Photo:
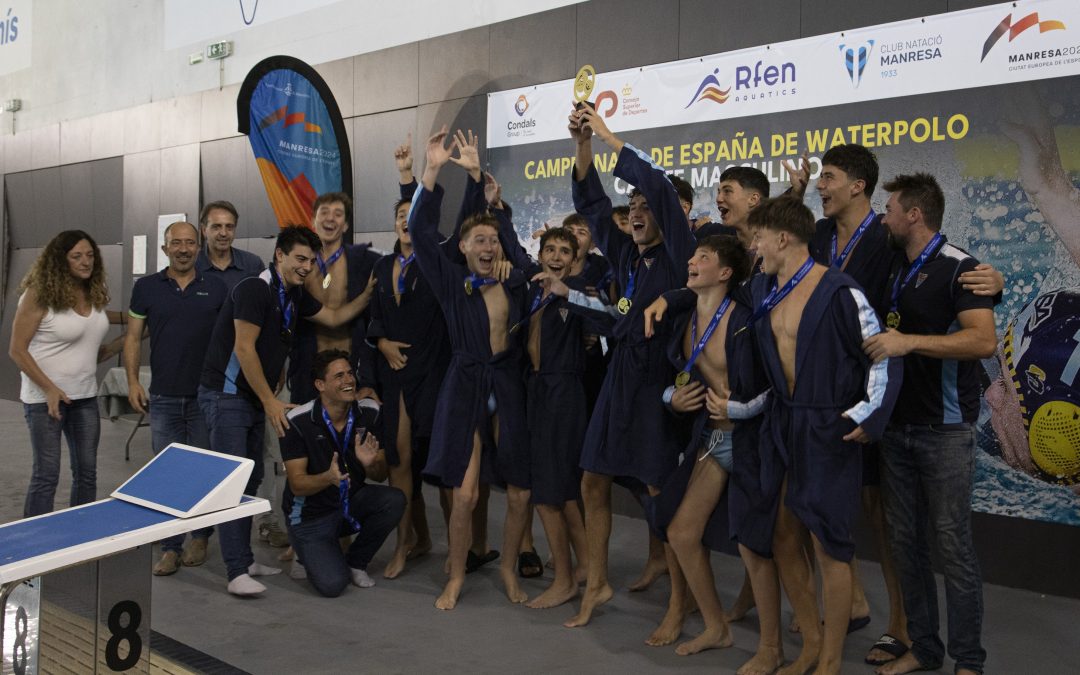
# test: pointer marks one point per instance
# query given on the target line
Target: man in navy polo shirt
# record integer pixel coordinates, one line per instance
(179, 305)
(218, 258)
(329, 452)
(244, 362)
(928, 451)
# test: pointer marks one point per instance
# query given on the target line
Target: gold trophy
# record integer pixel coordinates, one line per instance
(584, 83)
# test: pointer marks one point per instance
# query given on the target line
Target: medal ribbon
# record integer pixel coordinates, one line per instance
(776, 296)
(838, 262)
(325, 266)
(339, 443)
(284, 303)
(479, 282)
(898, 285)
(631, 273)
(706, 335)
(404, 262)
(538, 303)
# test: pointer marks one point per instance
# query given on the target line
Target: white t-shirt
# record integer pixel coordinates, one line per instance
(65, 347)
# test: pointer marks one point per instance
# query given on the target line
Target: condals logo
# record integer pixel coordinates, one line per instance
(710, 89)
(523, 127)
(855, 58)
(1014, 29)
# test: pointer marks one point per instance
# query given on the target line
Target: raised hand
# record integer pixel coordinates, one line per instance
(799, 176)
(578, 131)
(403, 157)
(437, 154)
(468, 153)
(492, 191)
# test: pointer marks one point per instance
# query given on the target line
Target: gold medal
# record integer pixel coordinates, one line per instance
(326, 281)
(892, 320)
(624, 305)
(468, 286)
(584, 82)
(682, 379)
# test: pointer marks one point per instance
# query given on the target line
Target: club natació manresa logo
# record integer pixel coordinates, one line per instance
(856, 56)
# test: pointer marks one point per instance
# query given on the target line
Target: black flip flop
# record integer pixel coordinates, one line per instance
(858, 623)
(529, 560)
(890, 645)
(474, 562)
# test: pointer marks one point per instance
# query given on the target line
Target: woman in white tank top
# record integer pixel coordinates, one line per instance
(56, 340)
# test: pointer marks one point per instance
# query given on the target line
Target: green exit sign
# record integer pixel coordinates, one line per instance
(219, 50)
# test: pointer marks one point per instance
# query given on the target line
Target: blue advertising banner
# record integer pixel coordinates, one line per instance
(297, 135)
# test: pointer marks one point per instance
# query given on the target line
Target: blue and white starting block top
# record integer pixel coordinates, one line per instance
(181, 489)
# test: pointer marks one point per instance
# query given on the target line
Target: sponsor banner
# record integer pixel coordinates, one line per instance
(297, 135)
(1006, 153)
(15, 44)
(1011, 42)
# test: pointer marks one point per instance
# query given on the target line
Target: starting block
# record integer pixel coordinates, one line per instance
(91, 564)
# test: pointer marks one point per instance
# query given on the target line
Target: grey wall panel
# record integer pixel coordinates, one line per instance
(536, 48)
(222, 171)
(375, 180)
(260, 246)
(467, 113)
(180, 180)
(819, 18)
(107, 135)
(387, 79)
(18, 193)
(142, 204)
(709, 27)
(180, 120)
(20, 262)
(454, 66)
(957, 5)
(76, 193)
(46, 193)
(142, 128)
(45, 146)
(16, 151)
(75, 140)
(338, 75)
(107, 194)
(617, 34)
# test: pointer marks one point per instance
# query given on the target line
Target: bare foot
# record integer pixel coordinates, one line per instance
(793, 627)
(743, 604)
(554, 596)
(765, 662)
(807, 660)
(513, 590)
(654, 569)
(709, 639)
(396, 565)
(669, 630)
(446, 566)
(590, 602)
(449, 597)
(905, 664)
(418, 549)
